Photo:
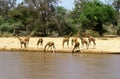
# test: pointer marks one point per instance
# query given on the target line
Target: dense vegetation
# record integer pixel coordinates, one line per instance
(46, 18)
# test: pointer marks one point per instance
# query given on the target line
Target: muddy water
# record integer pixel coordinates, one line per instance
(33, 65)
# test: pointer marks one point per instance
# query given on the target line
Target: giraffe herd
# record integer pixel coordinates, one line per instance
(85, 42)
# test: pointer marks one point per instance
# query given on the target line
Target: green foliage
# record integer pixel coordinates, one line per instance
(5, 27)
(94, 14)
(97, 10)
(61, 12)
(21, 13)
(1, 20)
(9, 26)
(118, 28)
(93, 33)
(6, 5)
(116, 4)
(46, 18)
(10, 21)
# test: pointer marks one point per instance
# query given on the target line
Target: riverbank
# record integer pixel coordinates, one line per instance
(103, 45)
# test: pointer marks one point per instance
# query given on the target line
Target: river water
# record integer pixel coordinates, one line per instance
(35, 65)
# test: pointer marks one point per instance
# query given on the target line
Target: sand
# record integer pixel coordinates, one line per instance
(106, 45)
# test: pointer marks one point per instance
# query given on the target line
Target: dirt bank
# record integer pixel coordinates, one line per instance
(107, 45)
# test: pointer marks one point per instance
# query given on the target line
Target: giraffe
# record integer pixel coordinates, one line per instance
(25, 41)
(66, 40)
(91, 39)
(27, 38)
(51, 45)
(84, 41)
(76, 46)
(40, 41)
(22, 42)
(75, 38)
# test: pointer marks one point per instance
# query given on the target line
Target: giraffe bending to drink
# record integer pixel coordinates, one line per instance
(40, 41)
(76, 46)
(50, 45)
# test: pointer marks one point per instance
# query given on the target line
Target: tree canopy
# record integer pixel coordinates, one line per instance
(45, 17)
(93, 14)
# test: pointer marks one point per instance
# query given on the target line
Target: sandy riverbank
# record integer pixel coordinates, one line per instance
(107, 45)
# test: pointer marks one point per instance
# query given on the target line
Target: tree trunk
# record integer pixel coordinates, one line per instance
(59, 30)
(100, 29)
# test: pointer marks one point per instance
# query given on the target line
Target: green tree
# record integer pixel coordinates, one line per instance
(64, 22)
(24, 15)
(93, 14)
(116, 5)
(2, 20)
(43, 10)
(58, 20)
(6, 6)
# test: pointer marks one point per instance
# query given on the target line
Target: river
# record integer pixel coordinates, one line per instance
(36, 65)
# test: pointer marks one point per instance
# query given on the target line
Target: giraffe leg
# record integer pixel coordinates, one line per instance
(25, 45)
(21, 45)
(63, 45)
(68, 44)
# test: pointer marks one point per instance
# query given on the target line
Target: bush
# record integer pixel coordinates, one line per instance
(93, 33)
(1, 20)
(5, 27)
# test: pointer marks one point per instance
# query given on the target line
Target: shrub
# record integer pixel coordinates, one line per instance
(93, 33)
(5, 27)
